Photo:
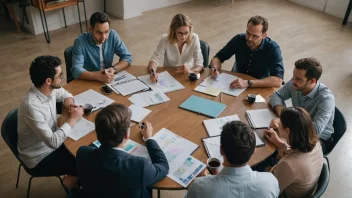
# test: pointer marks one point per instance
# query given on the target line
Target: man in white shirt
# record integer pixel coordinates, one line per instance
(39, 139)
(236, 179)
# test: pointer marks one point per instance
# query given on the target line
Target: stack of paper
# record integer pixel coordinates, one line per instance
(221, 83)
(148, 98)
(260, 118)
(138, 113)
(81, 128)
(214, 126)
(166, 83)
(119, 77)
(130, 87)
(94, 98)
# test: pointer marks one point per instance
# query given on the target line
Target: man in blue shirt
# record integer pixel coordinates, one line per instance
(236, 179)
(306, 92)
(256, 55)
(93, 51)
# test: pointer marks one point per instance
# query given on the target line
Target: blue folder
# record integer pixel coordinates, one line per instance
(203, 106)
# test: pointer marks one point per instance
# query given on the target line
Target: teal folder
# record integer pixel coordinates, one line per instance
(203, 106)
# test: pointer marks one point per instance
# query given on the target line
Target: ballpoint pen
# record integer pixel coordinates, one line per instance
(154, 74)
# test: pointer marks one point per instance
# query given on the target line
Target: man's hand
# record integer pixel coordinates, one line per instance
(153, 77)
(75, 116)
(107, 75)
(182, 69)
(71, 107)
(274, 123)
(239, 83)
(205, 172)
(147, 132)
(214, 72)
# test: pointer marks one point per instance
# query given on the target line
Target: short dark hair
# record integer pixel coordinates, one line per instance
(112, 124)
(43, 67)
(257, 20)
(237, 142)
(302, 133)
(312, 66)
(98, 17)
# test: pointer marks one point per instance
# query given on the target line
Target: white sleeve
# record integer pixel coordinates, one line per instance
(197, 52)
(159, 52)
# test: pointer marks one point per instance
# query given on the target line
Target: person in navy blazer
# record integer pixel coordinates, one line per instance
(108, 171)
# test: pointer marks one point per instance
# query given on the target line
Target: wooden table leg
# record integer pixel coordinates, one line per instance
(13, 15)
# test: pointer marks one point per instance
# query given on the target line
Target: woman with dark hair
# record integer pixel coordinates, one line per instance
(299, 168)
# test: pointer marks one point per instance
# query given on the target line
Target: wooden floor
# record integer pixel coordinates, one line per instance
(300, 32)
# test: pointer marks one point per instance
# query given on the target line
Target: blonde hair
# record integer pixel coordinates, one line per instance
(179, 20)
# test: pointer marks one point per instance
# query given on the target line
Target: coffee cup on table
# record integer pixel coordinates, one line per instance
(87, 108)
(213, 164)
(251, 98)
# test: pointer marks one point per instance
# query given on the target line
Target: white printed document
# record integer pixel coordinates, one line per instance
(138, 113)
(130, 87)
(166, 83)
(185, 169)
(148, 98)
(81, 128)
(214, 126)
(121, 76)
(223, 83)
(259, 118)
(94, 98)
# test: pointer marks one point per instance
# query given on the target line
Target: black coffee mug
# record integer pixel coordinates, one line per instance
(87, 108)
(251, 98)
(193, 76)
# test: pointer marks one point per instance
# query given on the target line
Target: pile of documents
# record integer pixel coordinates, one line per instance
(260, 118)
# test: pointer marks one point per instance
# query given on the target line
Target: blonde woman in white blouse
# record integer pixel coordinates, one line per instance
(180, 48)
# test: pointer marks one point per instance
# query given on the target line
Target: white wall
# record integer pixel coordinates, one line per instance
(126, 9)
(333, 7)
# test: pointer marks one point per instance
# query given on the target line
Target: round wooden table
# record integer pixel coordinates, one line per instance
(168, 115)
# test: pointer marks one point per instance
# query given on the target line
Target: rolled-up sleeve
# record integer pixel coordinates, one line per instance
(40, 127)
(77, 59)
(159, 52)
(62, 94)
(279, 96)
(275, 63)
(197, 53)
(121, 49)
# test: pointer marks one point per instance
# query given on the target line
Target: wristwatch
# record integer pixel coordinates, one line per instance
(250, 83)
(115, 69)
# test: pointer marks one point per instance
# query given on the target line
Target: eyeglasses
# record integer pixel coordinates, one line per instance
(61, 76)
(182, 33)
(101, 33)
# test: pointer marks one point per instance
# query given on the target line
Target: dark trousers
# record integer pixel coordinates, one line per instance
(59, 162)
(326, 145)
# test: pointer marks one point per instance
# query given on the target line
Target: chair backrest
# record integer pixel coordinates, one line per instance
(9, 131)
(205, 52)
(322, 182)
(68, 61)
(339, 125)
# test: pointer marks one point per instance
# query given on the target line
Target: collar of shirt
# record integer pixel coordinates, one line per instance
(40, 95)
(236, 170)
(312, 93)
(90, 39)
(119, 149)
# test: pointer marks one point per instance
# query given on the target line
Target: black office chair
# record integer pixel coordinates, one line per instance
(205, 52)
(340, 128)
(68, 61)
(10, 135)
(323, 182)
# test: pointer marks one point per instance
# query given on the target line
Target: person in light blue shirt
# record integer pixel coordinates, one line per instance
(236, 179)
(306, 92)
(93, 51)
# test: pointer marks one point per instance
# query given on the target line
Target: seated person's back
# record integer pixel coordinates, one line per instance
(236, 179)
(108, 171)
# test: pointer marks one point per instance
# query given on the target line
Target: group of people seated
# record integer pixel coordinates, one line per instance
(301, 133)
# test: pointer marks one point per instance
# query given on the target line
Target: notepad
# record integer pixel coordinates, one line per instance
(166, 83)
(138, 113)
(259, 118)
(130, 87)
(214, 126)
(203, 106)
(208, 90)
(120, 77)
(148, 98)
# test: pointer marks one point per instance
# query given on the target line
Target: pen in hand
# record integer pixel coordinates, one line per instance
(154, 74)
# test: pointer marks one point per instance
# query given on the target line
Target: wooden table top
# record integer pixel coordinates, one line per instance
(183, 123)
